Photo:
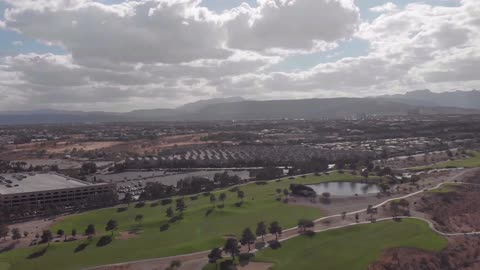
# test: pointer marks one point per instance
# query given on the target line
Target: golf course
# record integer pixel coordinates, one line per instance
(352, 248)
(471, 162)
(200, 229)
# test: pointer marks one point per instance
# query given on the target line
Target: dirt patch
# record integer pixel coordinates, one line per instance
(462, 253)
(455, 211)
(127, 235)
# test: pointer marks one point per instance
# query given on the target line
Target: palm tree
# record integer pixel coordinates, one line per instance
(275, 229)
(231, 247)
(222, 198)
(261, 230)
(247, 238)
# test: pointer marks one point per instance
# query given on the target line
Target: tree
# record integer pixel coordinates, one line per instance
(286, 192)
(139, 218)
(60, 232)
(90, 230)
(180, 204)
(213, 199)
(4, 230)
(214, 256)
(222, 198)
(275, 229)
(247, 238)
(357, 217)
(261, 230)
(112, 225)
(240, 195)
(47, 237)
(128, 198)
(344, 215)
(25, 234)
(231, 247)
(170, 212)
(305, 223)
(74, 232)
(16, 234)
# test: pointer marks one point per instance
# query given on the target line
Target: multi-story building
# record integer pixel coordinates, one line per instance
(40, 189)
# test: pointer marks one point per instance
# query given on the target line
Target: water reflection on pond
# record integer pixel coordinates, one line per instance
(345, 188)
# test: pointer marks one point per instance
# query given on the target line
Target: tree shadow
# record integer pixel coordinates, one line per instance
(81, 247)
(37, 254)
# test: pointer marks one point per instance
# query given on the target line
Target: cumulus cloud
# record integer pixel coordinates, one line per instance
(161, 53)
(292, 25)
(387, 7)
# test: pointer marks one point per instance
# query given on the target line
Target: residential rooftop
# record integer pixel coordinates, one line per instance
(34, 182)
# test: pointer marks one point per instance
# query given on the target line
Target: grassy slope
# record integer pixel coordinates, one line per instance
(352, 248)
(195, 233)
(471, 162)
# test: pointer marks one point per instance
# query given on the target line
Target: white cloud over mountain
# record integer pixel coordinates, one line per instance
(162, 53)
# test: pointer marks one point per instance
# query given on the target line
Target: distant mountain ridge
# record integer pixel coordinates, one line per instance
(459, 99)
(237, 108)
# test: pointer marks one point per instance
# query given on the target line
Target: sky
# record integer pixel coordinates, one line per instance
(122, 55)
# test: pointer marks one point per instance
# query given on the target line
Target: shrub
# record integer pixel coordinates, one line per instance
(302, 190)
(245, 256)
(140, 205)
(275, 245)
(227, 265)
(164, 227)
(194, 198)
(238, 204)
(166, 201)
(155, 204)
(234, 189)
(206, 194)
(220, 206)
(122, 209)
(304, 176)
(309, 233)
(104, 240)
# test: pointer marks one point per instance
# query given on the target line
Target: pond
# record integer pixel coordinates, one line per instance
(345, 188)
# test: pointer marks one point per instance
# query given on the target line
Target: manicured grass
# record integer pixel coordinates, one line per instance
(352, 248)
(471, 162)
(196, 232)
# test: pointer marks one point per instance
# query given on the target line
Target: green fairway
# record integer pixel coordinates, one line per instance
(446, 188)
(352, 248)
(196, 232)
(471, 162)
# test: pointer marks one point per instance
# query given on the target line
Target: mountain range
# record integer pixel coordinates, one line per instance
(237, 108)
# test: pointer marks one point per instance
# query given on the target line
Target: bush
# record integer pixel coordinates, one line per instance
(208, 212)
(245, 257)
(302, 190)
(275, 244)
(140, 205)
(166, 201)
(234, 189)
(220, 206)
(309, 233)
(104, 240)
(164, 227)
(122, 209)
(227, 265)
(238, 204)
(206, 194)
(304, 176)
(194, 198)
(155, 204)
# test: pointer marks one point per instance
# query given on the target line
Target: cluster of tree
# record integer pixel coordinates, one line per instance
(88, 168)
(267, 173)
(302, 190)
(224, 179)
(155, 190)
